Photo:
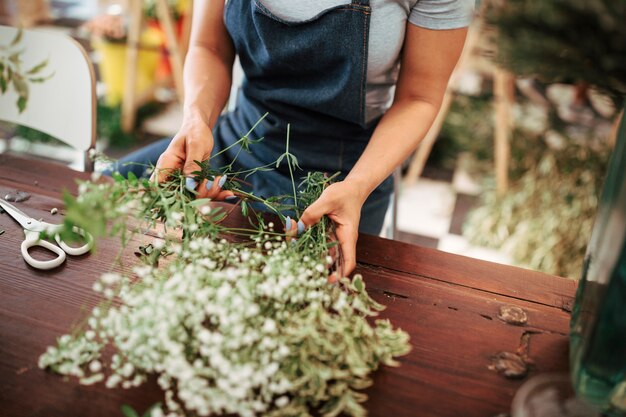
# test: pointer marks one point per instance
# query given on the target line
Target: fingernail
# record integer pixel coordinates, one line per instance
(231, 198)
(287, 223)
(209, 184)
(190, 184)
(222, 181)
(301, 227)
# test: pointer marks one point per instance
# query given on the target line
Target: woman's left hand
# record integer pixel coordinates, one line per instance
(341, 202)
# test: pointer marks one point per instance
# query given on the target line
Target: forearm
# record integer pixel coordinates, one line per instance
(429, 56)
(208, 65)
(207, 79)
(397, 135)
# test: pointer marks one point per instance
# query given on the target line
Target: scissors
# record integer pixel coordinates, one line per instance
(32, 230)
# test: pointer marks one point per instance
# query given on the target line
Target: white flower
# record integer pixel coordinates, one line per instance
(269, 326)
(157, 412)
(110, 278)
(95, 366)
(281, 401)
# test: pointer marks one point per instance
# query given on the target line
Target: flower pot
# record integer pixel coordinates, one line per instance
(113, 64)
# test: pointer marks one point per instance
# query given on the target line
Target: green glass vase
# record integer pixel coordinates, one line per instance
(598, 325)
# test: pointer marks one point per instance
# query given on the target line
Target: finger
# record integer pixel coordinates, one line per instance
(166, 164)
(313, 214)
(226, 195)
(192, 154)
(332, 250)
(291, 228)
(347, 235)
(212, 188)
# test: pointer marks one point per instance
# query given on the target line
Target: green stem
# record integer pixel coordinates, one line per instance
(293, 183)
(262, 201)
(243, 138)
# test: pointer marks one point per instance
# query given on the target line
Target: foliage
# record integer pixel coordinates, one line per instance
(109, 123)
(176, 7)
(235, 320)
(466, 129)
(545, 219)
(12, 75)
(564, 40)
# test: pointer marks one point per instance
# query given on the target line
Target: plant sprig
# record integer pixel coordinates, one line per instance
(240, 320)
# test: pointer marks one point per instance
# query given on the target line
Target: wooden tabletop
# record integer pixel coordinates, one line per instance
(449, 304)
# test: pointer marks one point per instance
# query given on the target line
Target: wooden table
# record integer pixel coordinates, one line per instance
(449, 304)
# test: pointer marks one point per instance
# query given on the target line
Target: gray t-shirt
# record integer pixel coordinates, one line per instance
(386, 36)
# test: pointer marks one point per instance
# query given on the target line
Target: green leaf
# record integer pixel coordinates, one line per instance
(199, 202)
(20, 86)
(132, 178)
(37, 68)
(244, 208)
(15, 57)
(3, 84)
(21, 103)
(279, 160)
(118, 177)
(128, 411)
(17, 38)
(358, 283)
(40, 79)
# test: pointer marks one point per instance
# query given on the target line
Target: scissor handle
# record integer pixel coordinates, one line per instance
(32, 239)
(79, 250)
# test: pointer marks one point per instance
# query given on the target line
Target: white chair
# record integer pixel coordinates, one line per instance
(63, 106)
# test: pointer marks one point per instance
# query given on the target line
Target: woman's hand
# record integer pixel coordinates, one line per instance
(193, 142)
(342, 203)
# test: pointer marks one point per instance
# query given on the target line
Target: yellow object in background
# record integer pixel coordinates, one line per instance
(113, 64)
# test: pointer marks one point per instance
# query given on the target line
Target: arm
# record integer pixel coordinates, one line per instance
(428, 58)
(207, 81)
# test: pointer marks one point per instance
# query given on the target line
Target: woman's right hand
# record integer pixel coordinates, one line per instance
(193, 142)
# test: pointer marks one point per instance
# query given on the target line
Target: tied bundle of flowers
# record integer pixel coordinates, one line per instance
(230, 319)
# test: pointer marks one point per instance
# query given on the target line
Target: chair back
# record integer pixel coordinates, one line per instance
(63, 105)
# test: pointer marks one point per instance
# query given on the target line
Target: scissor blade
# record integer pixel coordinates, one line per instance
(19, 216)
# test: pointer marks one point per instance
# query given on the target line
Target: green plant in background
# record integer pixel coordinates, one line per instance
(561, 40)
(12, 75)
(235, 320)
(175, 6)
(468, 128)
(545, 219)
(109, 124)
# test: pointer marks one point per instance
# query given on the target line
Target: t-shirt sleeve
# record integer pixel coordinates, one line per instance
(442, 14)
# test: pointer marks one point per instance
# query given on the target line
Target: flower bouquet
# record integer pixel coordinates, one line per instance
(234, 320)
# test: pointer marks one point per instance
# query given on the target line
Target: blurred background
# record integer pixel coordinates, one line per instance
(511, 171)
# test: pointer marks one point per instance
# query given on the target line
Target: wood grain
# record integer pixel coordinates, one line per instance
(447, 303)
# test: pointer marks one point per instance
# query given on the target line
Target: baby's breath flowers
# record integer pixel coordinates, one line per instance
(238, 321)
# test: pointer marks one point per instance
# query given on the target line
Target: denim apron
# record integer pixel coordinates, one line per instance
(312, 75)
